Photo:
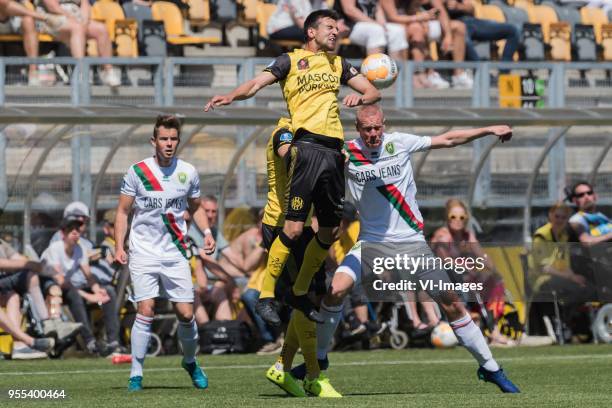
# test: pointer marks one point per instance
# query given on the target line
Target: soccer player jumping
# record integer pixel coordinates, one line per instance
(161, 188)
(381, 184)
(310, 79)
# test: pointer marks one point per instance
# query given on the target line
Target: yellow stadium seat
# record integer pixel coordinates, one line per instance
(170, 14)
(248, 11)
(606, 41)
(199, 12)
(490, 12)
(126, 38)
(107, 12)
(543, 15)
(560, 42)
(595, 17)
(264, 12)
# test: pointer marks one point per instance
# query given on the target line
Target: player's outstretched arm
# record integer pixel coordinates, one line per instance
(245, 90)
(463, 136)
(369, 94)
(121, 224)
(201, 221)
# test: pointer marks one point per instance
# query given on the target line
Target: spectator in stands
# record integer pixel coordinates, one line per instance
(74, 276)
(483, 30)
(369, 28)
(243, 255)
(25, 346)
(591, 226)
(77, 29)
(18, 278)
(216, 293)
(551, 271)
(457, 240)
(25, 26)
(426, 21)
(105, 270)
(10, 8)
(287, 22)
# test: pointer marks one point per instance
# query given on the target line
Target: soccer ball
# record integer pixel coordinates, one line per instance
(380, 69)
(442, 336)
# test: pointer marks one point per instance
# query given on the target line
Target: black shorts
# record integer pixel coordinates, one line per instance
(315, 176)
(269, 234)
(17, 282)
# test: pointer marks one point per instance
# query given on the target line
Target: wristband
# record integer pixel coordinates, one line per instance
(207, 231)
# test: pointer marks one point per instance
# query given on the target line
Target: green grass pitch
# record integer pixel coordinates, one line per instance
(569, 376)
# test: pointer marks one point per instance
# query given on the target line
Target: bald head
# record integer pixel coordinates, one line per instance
(368, 111)
(370, 123)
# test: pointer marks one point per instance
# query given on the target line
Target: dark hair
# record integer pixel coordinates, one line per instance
(571, 192)
(312, 21)
(167, 121)
(70, 224)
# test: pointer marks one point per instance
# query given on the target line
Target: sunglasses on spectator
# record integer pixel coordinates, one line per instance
(585, 193)
(453, 217)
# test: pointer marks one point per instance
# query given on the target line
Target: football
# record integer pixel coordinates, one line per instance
(442, 336)
(380, 69)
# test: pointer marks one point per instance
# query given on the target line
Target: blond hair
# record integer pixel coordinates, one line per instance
(455, 202)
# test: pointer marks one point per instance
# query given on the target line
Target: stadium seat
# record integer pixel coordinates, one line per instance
(490, 12)
(585, 47)
(533, 42)
(544, 15)
(560, 42)
(170, 14)
(139, 13)
(199, 12)
(495, 13)
(606, 41)
(248, 11)
(107, 12)
(153, 42)
(596, 17)
(515, 15)
(126, 38)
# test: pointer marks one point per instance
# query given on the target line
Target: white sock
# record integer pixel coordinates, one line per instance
(140, 337)
(188, 336)
(470, 337)
(325, 331)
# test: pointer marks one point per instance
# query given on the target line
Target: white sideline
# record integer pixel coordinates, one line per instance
(345, 364)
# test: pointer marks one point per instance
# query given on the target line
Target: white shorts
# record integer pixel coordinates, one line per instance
(434, 30)
(372, 35)
(153, 278)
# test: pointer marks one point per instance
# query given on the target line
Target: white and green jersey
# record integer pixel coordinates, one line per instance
(158, 228)
(381, 185)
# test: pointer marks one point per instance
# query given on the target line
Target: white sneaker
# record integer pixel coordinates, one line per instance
(27, 353)
(463, 81)
(110, 77)
(436, 81)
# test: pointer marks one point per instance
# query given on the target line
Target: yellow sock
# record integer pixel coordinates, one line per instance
(290, 346)
(314, 256)
(307, 333)
(277, 257)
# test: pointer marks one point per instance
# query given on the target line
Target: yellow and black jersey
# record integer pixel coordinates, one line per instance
(277, 174)
(310, 83)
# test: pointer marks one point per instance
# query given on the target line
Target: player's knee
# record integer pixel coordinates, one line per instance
(146, 309)
(327, 236)
(184, 316)
(293, 230)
